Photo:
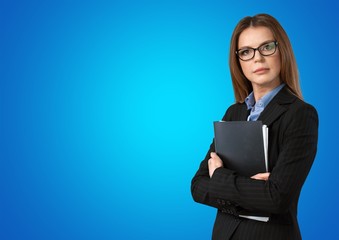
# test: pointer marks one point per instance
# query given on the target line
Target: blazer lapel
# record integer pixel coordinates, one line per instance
(277, 106)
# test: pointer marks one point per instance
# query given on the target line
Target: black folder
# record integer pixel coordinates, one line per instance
(242, 146)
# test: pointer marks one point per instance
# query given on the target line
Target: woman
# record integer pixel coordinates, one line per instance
(266, 86)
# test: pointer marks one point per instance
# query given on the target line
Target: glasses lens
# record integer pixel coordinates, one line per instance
(246, 53)
(267, 49)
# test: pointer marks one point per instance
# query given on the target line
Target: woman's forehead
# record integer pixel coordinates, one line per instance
(255, 36)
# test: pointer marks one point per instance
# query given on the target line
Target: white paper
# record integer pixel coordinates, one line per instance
(265, 138)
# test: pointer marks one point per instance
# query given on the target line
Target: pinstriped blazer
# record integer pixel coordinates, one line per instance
(293, 136)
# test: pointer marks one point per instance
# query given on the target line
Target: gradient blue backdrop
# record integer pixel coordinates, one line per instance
(106, 110)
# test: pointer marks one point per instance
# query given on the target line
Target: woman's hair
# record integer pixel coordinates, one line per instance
(289, 71)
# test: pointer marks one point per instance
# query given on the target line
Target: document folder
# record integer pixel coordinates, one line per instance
(242, 146)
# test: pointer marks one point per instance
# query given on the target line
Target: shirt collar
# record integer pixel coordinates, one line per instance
(249, 100)
(265, 100)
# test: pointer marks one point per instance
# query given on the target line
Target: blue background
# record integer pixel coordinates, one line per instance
(106, 110)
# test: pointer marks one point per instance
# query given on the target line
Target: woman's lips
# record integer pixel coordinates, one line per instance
(260, 70)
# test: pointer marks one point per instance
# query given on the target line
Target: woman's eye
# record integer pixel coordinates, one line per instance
(267, 47)
(244, 52)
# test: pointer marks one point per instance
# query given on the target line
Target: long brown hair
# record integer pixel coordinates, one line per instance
(289, 71)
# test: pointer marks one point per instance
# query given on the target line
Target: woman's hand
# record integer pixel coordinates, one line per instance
(213, 163)
(261, 176)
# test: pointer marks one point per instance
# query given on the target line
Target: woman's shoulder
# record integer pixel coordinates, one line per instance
(286, 96)
(237, 106)
(300, 111)
(300, 105)
(293, 103)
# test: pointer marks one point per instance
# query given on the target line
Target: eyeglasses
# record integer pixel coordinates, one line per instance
(265, 49)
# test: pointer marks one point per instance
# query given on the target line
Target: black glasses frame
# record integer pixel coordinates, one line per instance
(259, 50)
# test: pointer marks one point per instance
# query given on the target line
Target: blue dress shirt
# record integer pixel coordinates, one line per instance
(259, 106)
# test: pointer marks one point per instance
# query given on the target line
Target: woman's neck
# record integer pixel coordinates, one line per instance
(259, 91)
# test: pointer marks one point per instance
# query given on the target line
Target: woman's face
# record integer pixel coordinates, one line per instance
(262, 71)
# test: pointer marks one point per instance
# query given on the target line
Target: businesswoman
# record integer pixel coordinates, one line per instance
(266, 87)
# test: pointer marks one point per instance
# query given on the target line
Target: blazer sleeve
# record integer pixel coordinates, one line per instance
(299, 135)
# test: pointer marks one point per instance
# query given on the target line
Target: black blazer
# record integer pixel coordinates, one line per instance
(293, 136)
